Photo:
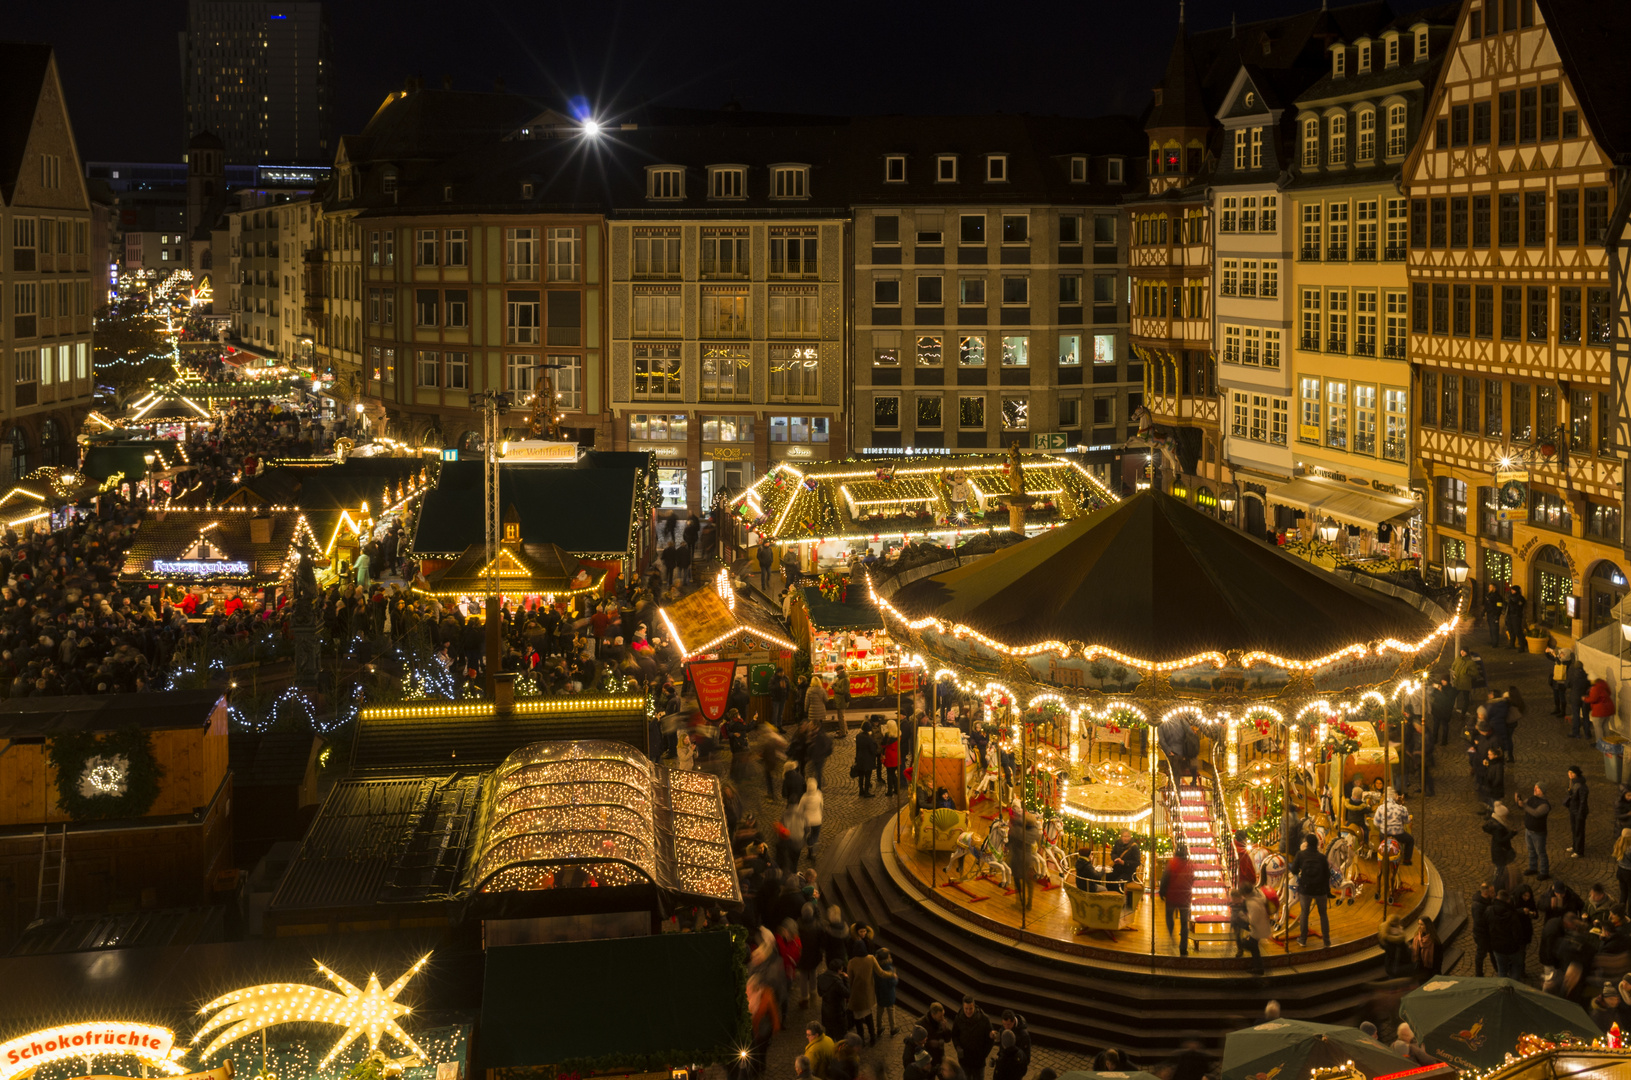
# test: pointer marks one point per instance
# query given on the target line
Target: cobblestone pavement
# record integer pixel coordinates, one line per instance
(1454, 839)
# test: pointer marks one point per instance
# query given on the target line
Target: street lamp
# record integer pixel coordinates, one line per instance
(1327, 531)
(1455, 572)
(1228, 497)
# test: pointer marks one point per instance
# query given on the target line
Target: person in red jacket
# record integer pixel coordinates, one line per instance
(1246, 873)
(1601, 702)
(1177, 890)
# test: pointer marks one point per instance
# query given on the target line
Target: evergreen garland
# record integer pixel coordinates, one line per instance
(71, 751)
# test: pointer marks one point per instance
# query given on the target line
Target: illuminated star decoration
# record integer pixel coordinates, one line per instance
(370, 1011)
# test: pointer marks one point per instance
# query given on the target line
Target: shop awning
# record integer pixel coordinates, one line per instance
(1344, 502)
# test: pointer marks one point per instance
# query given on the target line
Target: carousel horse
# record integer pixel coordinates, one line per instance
(991, 854)
(965, 858)
(1050, 853)
(1345, 884)
(985, 771)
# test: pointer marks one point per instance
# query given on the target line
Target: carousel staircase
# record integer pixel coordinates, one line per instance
(1194, 825)
(1144, 1011)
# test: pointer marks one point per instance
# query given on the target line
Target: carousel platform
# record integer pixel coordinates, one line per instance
(1088, 992)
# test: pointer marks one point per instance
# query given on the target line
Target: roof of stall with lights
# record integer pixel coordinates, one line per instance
(167, 535)
(1155, 578)
(587, 510)
(851, 500)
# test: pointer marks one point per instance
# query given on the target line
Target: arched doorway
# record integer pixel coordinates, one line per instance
(20, 464)
(1551, 583)
(1605, 588)
(50, 442)
(1255, 525)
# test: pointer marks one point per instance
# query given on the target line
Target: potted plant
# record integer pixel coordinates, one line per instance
(1537, 636)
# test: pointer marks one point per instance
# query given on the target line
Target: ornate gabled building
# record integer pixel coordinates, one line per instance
(1517, 192)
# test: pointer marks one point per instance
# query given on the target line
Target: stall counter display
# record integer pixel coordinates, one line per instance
(868, 657)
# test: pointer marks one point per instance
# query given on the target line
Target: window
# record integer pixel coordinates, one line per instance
(388, 306)
(1336, 320)
(971, 291)
(1364, 419)
(1113, 170)
(429, 368)
(945, 169)
(971, 411)
(1483, 310)
(1311, 230)
(1339, 61)
(1241, 148)
(1441, 309)
(522, 321)
(1439, 218)
(1580, 403)
(724, 313)
(1597, 216)
(1461, 310)
(1248, 213)
(1568, 315)
(894, 169)
(1507, 118)
(1016, 229)
(1070, 411)
(1016, 290)
(1308, 424)
(1016, 413)
(658, 426)
(972, 228)
(665, 182)
(50, 170)
(1070, 229)
(1599, 317)
(1257, 148)
(1336, 223)
(1365, 123)
(1534, 219)
(790, 181)
(1227, 213)
(929, 412)
(562, 253)
(1311, 319)
(794, 313)
(1311, 142)
(656, 253)
(1338, 127)
(457, 247)
(1511, 312)
(1396, 418)
(886, 411)
(1396, 145)
(656, 372)
(521, 254)
(725, 375)
(1538, 309)
(1545, 411)
(657, 312)
(1070, 288)
(1269, 286)
(1568, 217)
(971, 350)
(929, 290)
(28, 365)
(886, 292)
(725, 182)
(458, 370)
(1451, 504)
(1480, 221)
(519, 371)
(1239, 422)
(719, 427)
(886, 348)
(1507, 206)
(1364, 58)
(793, 253)
(1267, 221)
(1458, 221)
(1070, 350)
(1365, 322)
(1016, 351)
(425, 247)
(795, 373)
(996, 168)
(725, 253)
(1550, 511)
(1603, 522)
(425, 304)
(929, 228)
(928, 351)
(1271, 348)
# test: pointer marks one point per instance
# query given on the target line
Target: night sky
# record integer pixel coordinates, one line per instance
(122, 70)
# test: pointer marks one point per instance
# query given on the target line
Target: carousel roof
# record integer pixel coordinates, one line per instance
(1153, 577)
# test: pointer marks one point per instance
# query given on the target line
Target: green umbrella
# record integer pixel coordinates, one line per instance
(1474, 1023)
(1287, 1049)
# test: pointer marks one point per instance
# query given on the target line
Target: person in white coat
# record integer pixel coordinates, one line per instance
(810, 810)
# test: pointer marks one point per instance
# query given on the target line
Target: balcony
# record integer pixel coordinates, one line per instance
(1336, 344)
(1394, 253)
(1393, 350)
(1248, 224)
(1337, 253)
(1227, 288)
(1336, 438)
(1311, 342)
(1311, 253)
(1248, 288)
(1396, 449)
(1364, 442)
(1231, 355)
(1364, 253)
(1364, 346)
(1270, 290)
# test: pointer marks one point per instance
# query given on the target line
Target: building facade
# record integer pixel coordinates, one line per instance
(1346, 242)
(262, 300)
(257, 74)
(49, 277)
(728, 279)
(990, 264)
(1513, 191)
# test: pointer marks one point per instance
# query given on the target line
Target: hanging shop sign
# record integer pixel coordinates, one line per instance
(712, 678)
(1511, 494)
(864, 685)
(760, 677)
(729, 453)
(92, 1039)
(200, 567)
(539, 450)
(904, 682)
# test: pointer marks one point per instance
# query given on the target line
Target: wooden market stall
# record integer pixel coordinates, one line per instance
(216, 556)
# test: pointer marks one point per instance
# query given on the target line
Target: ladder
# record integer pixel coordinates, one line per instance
(48, 900)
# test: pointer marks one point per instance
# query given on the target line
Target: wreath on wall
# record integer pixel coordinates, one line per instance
(115, 776)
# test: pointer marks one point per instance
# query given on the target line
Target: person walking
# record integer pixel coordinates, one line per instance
(1441, 709)
(1513, 616)
(815, 702)
(779, 689)
(766, 562)
(1601, 703)
(1622, 866)
(790, 566)
(1313, 872)
(1493, 604)
(840, 701)
(866, 758)
(1577, 686)
(810, 809)
(1578, 802)
(1536, 809)
(864, 972)
(1501, 855)
(883, 987)
(1177, 891)
(1462, 670)
(971, 1032)
(1477, 916)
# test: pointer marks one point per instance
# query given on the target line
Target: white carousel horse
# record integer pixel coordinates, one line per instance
(965, 858)
(991, 854)
(1345, 883)
(1050, 853)
(985, 772)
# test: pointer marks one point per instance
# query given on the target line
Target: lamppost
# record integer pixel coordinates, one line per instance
(1227, 499)
(1455, 573)
(1327, 531)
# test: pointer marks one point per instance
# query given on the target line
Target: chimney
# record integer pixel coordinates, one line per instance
(260, 529)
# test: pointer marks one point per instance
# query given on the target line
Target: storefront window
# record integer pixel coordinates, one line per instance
(798, 429)
(1551, 588)
(1608, 588)
(658, 426)
(1497, 567)
(1489, 522)
(1550, 512)
(671, 482)
(727, 428)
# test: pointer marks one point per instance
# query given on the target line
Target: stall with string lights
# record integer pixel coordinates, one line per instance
(1083, 654)
(719, 622)
(217, 555)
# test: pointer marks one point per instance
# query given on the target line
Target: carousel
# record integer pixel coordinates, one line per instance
(1144, 681)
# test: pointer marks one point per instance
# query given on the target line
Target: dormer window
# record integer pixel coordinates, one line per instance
(512, 532)
(1391, 42)
(790, 181)
(1078, 170)
(996, 168)
(726, 182)
(526, 190)
(665, 182)
(447, 192)
(1421, 43)
(347, 183)
(388, 182)
(945, 169)
(1113, 170)
(1364, 57)
(1339, 61)
(894, 169)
